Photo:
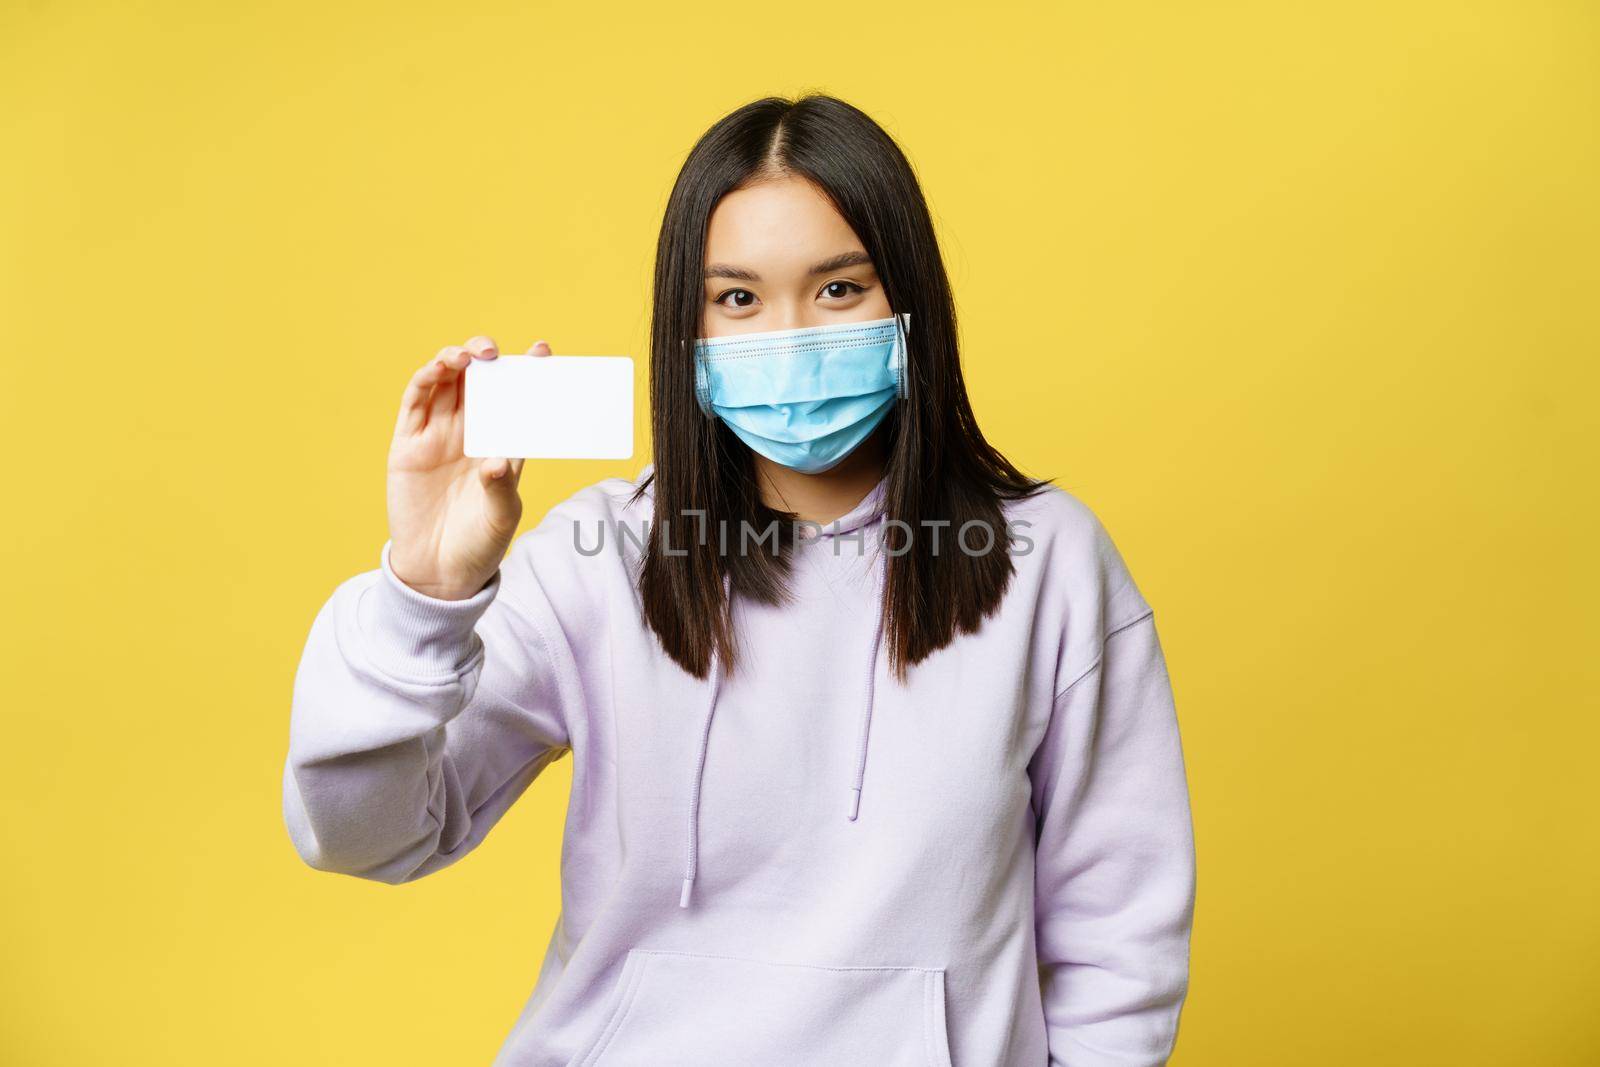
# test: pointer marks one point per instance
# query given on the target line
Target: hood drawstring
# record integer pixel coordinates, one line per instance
(692, 867)
(700, 760)
(872, 679)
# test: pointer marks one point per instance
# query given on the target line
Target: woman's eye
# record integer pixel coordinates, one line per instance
(743, 304)
(850, 288)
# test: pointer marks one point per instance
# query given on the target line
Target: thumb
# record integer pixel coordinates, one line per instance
(499, 479)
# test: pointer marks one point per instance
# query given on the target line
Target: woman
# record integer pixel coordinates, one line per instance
(875, 759)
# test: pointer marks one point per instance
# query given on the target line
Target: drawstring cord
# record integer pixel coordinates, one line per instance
(872, 678)
(700, 760)
(693, 864)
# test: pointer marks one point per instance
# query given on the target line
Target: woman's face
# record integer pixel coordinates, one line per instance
(779, 257)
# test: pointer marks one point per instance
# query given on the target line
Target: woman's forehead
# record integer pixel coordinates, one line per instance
(782, 224)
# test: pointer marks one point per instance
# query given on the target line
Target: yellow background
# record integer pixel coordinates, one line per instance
(1300, 298)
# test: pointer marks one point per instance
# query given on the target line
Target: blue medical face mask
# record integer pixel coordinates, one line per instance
(804, 398)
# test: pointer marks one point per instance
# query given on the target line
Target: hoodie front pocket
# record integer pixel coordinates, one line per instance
(685, 1008)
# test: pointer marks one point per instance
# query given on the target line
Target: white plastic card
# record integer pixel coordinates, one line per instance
(549, 407)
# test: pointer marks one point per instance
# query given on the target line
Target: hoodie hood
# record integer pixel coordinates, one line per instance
(867, 512)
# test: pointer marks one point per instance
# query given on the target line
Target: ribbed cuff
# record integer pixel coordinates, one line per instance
(417, 633)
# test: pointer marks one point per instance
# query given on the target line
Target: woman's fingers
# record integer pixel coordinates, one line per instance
(414, 402)
(447, 390)
(434, 390)
(482, 347)
(540, 348)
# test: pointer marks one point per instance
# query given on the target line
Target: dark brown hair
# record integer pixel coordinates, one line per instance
(939, 467)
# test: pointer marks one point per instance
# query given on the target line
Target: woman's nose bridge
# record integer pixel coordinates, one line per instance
(796, 313)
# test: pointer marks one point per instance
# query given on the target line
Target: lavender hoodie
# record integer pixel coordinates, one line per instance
(805, 862)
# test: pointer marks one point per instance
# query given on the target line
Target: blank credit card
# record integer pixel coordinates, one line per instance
(550, 407)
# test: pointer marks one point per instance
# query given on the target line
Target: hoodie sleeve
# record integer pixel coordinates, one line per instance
(1115, 870)
(417, 722)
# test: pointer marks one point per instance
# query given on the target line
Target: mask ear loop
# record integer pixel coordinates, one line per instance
(898, 359)
(702, 384)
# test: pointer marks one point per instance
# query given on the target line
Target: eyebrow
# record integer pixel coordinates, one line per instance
(832, 263)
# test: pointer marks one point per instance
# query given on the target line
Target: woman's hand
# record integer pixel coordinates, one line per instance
(451, 517)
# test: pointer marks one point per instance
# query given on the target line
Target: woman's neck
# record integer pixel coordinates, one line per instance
(822, 498)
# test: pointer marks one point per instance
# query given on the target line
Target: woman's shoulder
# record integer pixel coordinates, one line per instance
(614, 498)
(583, 540)
(1063, 543)
(609, 500)
(1066, 524)
(1055, 515)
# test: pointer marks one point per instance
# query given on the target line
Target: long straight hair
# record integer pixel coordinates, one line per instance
(940, 468)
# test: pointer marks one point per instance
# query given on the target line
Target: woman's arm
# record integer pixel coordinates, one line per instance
(417, 722)
(1115, 872)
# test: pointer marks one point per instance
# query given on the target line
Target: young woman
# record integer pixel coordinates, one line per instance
(875, 758)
